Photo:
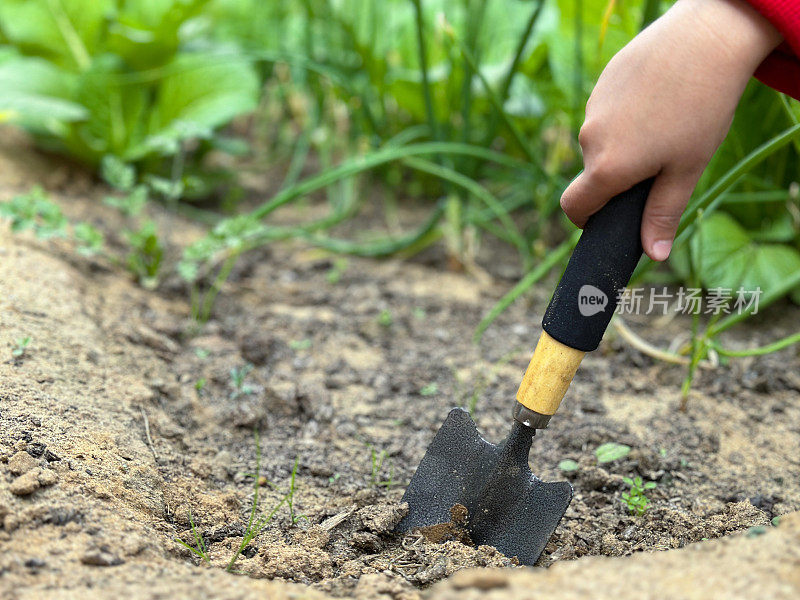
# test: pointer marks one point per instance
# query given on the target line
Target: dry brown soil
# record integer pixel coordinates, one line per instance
(107, 446)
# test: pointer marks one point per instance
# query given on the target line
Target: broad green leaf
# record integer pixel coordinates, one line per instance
(38, 94)
(200, 93)
(66, 31)
(611, 451)
(148, 33)
(116, 113)
(728, 258)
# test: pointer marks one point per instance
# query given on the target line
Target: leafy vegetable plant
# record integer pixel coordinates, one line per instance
(132, 79)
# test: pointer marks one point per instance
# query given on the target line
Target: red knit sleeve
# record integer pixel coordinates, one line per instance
(781, 69)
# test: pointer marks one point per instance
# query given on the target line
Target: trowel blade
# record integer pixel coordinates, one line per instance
(508, 507)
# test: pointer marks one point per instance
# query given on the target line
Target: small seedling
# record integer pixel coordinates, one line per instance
(131, 204)
(290, 495)
(300, 344)
(199, 549)
(35, 211)
(568, 465)
(201, 353)
(419, 313)
(378, 459)
(334, 478)
(21, 346)
(429, 390)
(239, 381)
(611, 451)
(117, 173)
(385, 318)
(200, 384)
(255, 523)
(635, 500)
(89, 241)
(756, 531)
(336, 271)
(146, 254)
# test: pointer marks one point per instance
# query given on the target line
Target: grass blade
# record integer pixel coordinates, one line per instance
(553, 257)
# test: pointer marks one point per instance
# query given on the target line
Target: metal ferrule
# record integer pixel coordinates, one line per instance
(530, 418)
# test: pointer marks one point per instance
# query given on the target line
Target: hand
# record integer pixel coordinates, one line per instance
(662, 107)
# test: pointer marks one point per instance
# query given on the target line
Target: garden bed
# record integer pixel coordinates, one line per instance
(128, 425)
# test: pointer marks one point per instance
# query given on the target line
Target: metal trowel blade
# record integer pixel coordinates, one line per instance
(508, 506)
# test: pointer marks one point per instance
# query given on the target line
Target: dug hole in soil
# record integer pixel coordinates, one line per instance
(118, 429)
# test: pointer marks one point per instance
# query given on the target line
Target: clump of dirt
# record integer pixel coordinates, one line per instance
(455, 530)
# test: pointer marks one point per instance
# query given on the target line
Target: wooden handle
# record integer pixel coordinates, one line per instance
(548, 375)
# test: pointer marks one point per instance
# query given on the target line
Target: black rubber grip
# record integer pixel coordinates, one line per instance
(599, 269)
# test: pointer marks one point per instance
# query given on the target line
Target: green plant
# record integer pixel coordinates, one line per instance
(385, 318)
(294, 518)
(199, 549)
(568, 465)
(611, 451)
(200, 385)
(634, 499)
(97, 77)
(238, 382)
(336, 271)
(255, 522)
(34, 211)
(303, 344)
(146, 254)
(430, 389)
(377, 460)
(20, 346)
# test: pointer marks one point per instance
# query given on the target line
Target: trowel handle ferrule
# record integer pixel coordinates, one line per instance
(583, 302)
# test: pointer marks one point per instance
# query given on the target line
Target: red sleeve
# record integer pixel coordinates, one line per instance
(781, 69)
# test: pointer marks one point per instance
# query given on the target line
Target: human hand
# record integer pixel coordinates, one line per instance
(662, 107)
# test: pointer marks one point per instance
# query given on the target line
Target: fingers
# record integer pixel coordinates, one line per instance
(662, 213)
(589, 192)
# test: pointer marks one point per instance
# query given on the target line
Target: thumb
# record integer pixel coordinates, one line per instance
(589, 192)
(662, 213)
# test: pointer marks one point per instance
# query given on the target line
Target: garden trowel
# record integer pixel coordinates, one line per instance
(507, 506)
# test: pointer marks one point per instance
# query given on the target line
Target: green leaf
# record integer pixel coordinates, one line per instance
(90, 240)
(147, 33)
(611, 451)
(728, 258)
(201, 92)
(116, 113)
(117, 173)
(568, 465)
(429, 390)
(65, 31)
(39, 94)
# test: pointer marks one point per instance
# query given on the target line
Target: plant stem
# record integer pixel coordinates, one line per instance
(423, 65)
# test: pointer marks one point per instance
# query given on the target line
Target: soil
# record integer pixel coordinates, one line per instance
(120, 425)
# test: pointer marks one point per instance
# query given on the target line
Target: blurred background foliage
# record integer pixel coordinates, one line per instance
(471, 106)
